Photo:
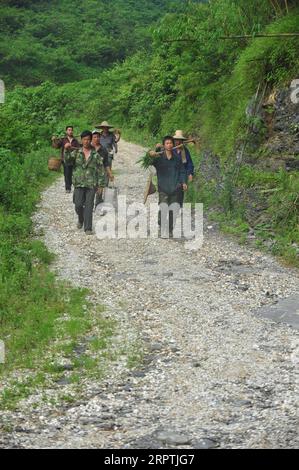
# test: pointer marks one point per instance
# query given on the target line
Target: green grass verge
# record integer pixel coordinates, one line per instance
(42, 319)
(277, 227)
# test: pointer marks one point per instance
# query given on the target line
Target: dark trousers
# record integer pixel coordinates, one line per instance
(171, 216)
(99, 197)
(110, 162)
(68, 176)
(181, 197)
(84, 201)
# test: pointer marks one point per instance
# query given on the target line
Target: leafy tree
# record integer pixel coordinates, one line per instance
(69, 40)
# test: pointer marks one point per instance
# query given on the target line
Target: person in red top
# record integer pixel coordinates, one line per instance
(68, 167)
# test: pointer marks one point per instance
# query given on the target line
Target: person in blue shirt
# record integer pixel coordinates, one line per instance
(186, 158)
(172, 179)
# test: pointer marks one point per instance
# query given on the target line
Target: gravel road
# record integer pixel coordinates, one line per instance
(215, 372)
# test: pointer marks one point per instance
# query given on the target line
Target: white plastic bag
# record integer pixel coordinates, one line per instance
(110, 201)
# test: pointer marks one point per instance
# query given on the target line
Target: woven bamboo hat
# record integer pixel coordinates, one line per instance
(104, 124)
(179, 135)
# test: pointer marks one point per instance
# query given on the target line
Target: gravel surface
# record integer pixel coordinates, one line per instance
(215, 373)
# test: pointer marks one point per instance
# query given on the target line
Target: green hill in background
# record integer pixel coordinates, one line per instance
(67, 40)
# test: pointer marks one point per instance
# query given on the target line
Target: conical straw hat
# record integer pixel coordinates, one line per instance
(179, 135)
(104, 124)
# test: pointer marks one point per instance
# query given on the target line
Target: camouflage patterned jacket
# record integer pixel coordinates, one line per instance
(87, 173)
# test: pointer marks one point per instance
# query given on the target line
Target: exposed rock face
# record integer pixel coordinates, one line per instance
(273, 145)
(281, 115)
(210, 168)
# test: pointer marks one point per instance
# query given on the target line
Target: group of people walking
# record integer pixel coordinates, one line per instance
(88, 166)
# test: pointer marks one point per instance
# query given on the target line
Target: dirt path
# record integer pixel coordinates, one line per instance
(214, 374)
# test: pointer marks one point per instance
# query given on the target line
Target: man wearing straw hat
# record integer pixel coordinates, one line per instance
(108, 140)
(96, 143)
(183, 152)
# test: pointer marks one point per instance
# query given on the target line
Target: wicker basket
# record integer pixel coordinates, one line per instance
(117, 133)
(54, 163)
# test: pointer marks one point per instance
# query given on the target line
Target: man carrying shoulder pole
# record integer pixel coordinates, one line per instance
(108, 140)
(60, 144)
(88, 179)
(172, 179)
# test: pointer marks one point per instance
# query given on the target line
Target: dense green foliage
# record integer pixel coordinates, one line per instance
(67, 40)
(205, 84)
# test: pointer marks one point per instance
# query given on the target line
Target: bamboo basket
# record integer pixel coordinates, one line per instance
(54, 164)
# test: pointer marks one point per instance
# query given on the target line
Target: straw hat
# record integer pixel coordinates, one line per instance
(179, 135)
(104, 124)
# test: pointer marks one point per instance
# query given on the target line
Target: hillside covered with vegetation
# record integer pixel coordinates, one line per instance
(68, 40)
(150, 67)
